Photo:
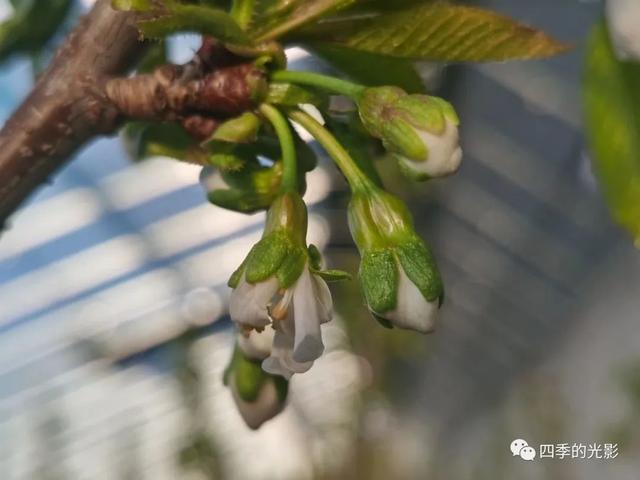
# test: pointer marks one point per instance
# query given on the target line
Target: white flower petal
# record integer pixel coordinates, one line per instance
(413, 311)
(211, 179)
(282, 343)
(281, 361)
(274, 366)
(323, 297)
(248, 302)
(264, 408)
(623, 18)
(445, 154)
(256, 345)
(308, 313)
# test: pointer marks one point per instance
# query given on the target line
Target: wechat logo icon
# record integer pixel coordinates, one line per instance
(520, 448)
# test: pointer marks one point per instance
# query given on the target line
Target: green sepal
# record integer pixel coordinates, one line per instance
(420, 266)
(333, 275)
(447, 110)
(292, 266)
(247, 375)
(249, 378)
(255, 177)
(288, 217)
(378, 220)
(240, 201)
(236, 276)
(379, 278)
(405, 167)
(399, 136)
(266, 256)
(315, 258)
(315, 264)
(252, 188)
(422, 112)
(229, 161)
(241, 129)
(282, 387)
(372, 105)
(289, 95)
(383, 321)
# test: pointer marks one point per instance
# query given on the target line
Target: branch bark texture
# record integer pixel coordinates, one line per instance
(67, 107)
(85, 93)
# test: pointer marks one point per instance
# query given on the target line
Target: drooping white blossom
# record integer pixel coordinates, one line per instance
(292, 317)
(297, 316)
(248, 305)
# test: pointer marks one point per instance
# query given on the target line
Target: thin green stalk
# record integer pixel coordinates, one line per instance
(357, 179)
(242, 12)
(287, 146)
(332, 84)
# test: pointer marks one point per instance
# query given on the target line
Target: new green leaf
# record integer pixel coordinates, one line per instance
(194, 18)
(612, 106)
(439, 32)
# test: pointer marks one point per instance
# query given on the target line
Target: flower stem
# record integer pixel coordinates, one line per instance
(332, 84)
(283, 131)
(357, 179)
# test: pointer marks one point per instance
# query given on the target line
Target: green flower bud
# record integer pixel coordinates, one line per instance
(242, 129)
(419, 130)
(251, 189)
(399, 276)
(258, 395)
(373, 105)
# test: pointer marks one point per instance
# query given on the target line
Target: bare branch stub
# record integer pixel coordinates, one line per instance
(169, 94)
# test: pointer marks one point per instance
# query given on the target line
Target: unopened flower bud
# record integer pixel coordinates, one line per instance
(258, 395)
(399, 277)
(241, 129)
(251, 189)
(419, 130)
(623, 18)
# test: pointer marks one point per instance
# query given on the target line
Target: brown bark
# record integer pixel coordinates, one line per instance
(169, 94)
(81, 95)
(67, 106)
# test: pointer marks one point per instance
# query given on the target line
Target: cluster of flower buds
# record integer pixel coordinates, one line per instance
(280, 297)
(419, 130)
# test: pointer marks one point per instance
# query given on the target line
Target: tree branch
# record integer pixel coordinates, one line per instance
(67, 106)
(81, 96)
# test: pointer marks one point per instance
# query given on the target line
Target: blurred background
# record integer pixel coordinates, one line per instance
(113, 297)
